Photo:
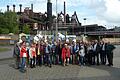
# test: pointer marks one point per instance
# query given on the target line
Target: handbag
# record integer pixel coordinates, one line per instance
(38, 51)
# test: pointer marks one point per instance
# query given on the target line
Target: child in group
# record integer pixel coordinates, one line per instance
(32, 54)
(23, 56)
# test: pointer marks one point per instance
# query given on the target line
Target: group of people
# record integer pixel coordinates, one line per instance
(62, 53)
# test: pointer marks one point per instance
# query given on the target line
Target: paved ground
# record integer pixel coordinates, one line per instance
(7, 54)
(71, 72)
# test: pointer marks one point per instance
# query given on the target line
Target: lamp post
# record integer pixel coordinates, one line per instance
(114, 35)
(56, 22)
(85, 26)
(85, 36)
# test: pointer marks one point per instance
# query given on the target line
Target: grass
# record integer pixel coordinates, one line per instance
(4, 49)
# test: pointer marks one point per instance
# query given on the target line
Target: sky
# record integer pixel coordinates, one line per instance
(101, 12)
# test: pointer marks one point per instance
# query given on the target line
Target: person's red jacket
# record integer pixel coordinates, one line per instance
(33, 53)
(65, 53)
(22, 51)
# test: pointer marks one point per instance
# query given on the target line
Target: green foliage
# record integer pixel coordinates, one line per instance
(26, 29)
(8, 23)
(4, 31)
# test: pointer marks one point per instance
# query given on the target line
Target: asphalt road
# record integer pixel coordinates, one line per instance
(6, 54)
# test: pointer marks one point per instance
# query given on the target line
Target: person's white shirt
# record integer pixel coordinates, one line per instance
(90, 47)
(95, 47)
(103, 47)
(82, 51)
(30, 53)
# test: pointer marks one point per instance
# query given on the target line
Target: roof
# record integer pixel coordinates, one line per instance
(103, 33)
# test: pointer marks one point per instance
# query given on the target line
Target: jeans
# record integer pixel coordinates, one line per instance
(33, 62)
(55, 59)
(48, 59)
(23, 63)
(81, 60)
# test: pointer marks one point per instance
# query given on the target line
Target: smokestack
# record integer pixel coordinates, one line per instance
(20, 8)
(7, 8)
(49, 14)
(64, 12)
(32, 7)
(13, 8)
(49, 0)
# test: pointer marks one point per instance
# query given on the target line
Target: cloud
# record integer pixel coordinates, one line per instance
(112, 14)
(105, 12)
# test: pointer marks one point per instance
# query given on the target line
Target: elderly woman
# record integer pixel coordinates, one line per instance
(16, 55)
(65, 54)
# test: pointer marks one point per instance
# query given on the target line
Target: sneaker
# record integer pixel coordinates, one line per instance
(63, 64)
(50, 66)
(67, 64)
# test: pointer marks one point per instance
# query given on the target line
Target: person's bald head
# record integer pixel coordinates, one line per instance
(96, 41)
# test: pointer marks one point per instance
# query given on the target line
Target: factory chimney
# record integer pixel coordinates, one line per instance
(7, 8)
(32, 7)
(13, 8)
(20, 8)
(49, 13)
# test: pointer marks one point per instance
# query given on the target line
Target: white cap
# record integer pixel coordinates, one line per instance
(45, 40)
(74, 40)
(65, 44)
(59, 39)
(67, 40)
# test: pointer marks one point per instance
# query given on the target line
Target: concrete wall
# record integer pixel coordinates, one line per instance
(112, 40)
(8, 39)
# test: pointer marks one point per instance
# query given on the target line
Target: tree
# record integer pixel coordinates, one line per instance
(26, 29)
(4, 31)
(8, 23)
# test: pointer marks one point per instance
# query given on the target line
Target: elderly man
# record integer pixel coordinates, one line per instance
(47, 50)
(109, 51)
(74, 52)
(96, 51)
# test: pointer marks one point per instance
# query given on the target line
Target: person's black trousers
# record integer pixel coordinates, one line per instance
(103, 57)
(110, 58)
(96, 55)
(90, 53)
